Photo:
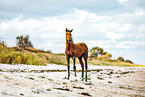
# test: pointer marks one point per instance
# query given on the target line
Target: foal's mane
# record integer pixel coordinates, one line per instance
(71, 39)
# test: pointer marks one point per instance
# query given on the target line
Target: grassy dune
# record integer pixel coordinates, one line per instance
(32, 56)
(11, 56)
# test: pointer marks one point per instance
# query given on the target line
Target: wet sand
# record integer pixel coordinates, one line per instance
(51, 81)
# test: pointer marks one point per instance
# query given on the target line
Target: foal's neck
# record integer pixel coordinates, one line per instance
(69, 45)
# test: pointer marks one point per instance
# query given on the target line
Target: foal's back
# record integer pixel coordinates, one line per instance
(85, 49)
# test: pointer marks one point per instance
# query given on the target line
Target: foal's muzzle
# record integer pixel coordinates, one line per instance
(69, 40)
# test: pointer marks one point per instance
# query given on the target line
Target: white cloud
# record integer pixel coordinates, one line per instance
(99, 43)
(141, 28)
(122, 1)
(140, 13)
(130, 44)
(4, 26)
(124, 28)
(113, 35)
(104, 27)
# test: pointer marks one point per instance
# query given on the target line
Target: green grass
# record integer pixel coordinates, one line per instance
(109, 63)
(55, 59)
(10, 56)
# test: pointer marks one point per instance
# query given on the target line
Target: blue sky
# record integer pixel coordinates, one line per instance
(118, 26)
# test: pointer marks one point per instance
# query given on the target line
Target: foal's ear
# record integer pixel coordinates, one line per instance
(71, 30)
(66, 29)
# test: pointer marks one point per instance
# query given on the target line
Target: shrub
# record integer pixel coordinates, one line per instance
(95, 51)
(104, 53)
(120, 59)
(129, 61)
(23, 41)
(108, 55)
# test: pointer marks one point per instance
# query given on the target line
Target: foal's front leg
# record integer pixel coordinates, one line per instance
(74, 66)
(68, 66)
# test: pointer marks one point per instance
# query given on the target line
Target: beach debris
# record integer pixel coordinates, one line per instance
(109, 82)
(42, 76)
(85, 93)
(31, 78)
(21, 94)
(88, 83)
(36, 92)
(78, 87)
(48, 89)
(65, 89)
(100, 78)
(50, 79)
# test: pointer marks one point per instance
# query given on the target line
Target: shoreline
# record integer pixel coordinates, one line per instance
(102, 81)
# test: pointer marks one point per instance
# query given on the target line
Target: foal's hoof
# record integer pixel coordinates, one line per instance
(82, 79)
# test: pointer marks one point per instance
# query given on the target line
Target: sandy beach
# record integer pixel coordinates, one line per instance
(50, 81)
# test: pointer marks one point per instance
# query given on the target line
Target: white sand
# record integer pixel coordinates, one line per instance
(40, 81)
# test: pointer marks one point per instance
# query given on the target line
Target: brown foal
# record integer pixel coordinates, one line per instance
(72, 50)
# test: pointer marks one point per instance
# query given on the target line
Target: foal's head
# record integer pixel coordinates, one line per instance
(68, 35)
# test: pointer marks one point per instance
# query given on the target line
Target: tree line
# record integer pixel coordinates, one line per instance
(97, 51)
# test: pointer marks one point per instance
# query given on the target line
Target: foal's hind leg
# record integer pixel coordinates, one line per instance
(86, 67)
(82, 65)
